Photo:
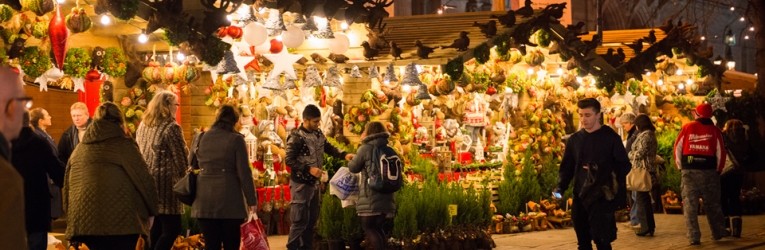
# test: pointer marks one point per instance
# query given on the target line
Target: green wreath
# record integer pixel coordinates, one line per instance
(115, 63)
(34, 62)
(481, 53)
(76, 62)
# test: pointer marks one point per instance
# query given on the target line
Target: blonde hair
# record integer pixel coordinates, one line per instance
(36, 114)
(159, 108)
(80, 106)
(109, 111)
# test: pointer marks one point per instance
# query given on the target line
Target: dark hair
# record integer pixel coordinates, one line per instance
(25, 119)
(36, 114)
(375, 128)
(311, 112)
(109, 111)
(733, 128)
(226, 118)
(589, 103)
(644, 123)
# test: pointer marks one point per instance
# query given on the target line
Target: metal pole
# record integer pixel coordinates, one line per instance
(600, 21)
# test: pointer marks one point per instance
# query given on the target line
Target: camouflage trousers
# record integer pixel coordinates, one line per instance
(704, 184)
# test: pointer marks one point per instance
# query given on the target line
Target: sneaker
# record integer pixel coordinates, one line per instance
(695, 242)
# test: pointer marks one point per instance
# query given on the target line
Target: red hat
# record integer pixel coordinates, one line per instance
(704, 110)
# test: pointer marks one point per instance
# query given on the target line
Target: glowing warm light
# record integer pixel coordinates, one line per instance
(105, 20)
(751, 28)
(689, 81)
(679, 72)
(229, 18)
(181, 57)
(731, 65)
(243, 10)
(703, 38)
(262, 11)
(530, 71)
(746, 37)
(648, 73)
(406, 88)
(440, 11)
(732, 8)
(730, 39)
(742, 19)
(681, 86)
(143, 38)
(660, 82)
(559, 71)
(321, 22)
(344, 25)
(508, 90)
(579, 79)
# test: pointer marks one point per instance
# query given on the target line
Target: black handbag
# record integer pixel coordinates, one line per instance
(185, 189)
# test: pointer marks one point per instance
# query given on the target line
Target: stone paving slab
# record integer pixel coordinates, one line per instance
(670, 235)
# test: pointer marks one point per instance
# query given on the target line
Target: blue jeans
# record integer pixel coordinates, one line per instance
(634, 211)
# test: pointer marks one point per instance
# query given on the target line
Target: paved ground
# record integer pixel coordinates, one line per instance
(670, 234)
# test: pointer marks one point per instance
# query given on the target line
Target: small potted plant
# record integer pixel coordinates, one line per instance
(331, 222)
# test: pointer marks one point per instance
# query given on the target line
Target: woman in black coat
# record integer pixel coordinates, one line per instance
(736, 143)
(34, 159)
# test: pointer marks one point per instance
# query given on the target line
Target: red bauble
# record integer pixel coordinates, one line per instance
(276, 46)
(93, 75)
(491, 90)
(234, 32)
(59, 35)
(222, 32)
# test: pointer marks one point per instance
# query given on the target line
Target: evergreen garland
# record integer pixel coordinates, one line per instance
(503, 46)
(455, 68)
(115, 62)
(543, 38)
(76, 62)
(34, 62)
(481, 53)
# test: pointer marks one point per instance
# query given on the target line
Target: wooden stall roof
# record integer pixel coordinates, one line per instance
(738, 80)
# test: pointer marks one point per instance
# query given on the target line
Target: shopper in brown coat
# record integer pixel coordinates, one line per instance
(160, 139)
(110, 197)
(224, 184)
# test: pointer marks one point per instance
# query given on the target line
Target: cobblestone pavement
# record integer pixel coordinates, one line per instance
(670, 234)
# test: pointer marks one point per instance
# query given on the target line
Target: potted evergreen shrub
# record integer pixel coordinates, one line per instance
(352, 232)
(331, 222)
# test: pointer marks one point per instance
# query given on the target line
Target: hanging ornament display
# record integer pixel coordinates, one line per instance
(411, 77)
(188, 72)
(312, 77)
(114, 62)
(422, 92)
(325, 32)
(390, 74)
(373, 72)
(275, 23)
(6, 13)
(217, 92)
(293, 37)
(339, 44)
(535, 57)
(51, 74)
(227, 65)
(39, 7)
(255, 33)
(283, 63)
(169, 75)
(718, 101)
(59, 35)
(263, 48)
(355, 72)
(276, 46)
(40, 28)
(77, 63)
(34, 62)
(333, 78)
(272, 83)
(78, 21)
(290, 83)
(152, 73)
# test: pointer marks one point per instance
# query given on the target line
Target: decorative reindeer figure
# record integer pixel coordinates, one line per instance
(355, 10)
(377, 12)
(376, 38)
(216, 18)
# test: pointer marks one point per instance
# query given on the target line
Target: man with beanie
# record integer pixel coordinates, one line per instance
(700, 156)
(626, 120)
(305, 155)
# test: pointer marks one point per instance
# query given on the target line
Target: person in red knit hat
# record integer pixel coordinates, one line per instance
(699, 153)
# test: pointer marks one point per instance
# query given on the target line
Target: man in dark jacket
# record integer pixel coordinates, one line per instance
(35, 160)
(305, 156)
(599, 171)
(700, 155)
(73, 135)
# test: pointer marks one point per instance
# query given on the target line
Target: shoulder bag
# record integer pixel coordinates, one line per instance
(730, 164)
(639, 179)
(185, 189)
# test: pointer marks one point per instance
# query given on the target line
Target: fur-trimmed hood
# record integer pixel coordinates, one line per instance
(376, 139)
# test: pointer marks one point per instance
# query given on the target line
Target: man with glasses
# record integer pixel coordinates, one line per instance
(73, 135)
(15, 102)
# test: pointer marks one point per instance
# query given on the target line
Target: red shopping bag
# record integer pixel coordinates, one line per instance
(253, 235)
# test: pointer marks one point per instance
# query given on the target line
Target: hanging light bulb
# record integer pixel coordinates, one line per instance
(679, 72)
(530, 71)
(681, 86)
(648, 73)
(440, 11)
(181, 57)
(143, 38)
(742, 19)
(559, 71)
(105, 20)
(732, 8)
(703, 38)
(689, 81)
(344, 26)
(660, 82)
(751, 28)
(746, 37)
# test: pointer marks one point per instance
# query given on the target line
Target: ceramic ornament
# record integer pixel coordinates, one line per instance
(79, 84)
(283, 63)
(312, 77)
(333, 78)
(411, 77)
(275, 23)
(718, 102)
(355, 72)
(59, 35)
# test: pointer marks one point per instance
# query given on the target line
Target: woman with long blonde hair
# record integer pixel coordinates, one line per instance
(160, 139)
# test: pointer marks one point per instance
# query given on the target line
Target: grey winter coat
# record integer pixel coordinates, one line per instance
(164, 150)
(370, 201)
(225, 179)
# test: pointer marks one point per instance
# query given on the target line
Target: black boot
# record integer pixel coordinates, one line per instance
(736, 232)
(727, 227)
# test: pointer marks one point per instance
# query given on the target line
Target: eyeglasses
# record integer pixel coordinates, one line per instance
(26, 101)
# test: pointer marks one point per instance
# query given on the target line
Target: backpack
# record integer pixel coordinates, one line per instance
(385, 171)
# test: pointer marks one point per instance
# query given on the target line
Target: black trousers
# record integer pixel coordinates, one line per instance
(304, 213)
(221, 231)
(111, 242)
(645, 212)
(595, 223)
(164, 231)
(373, 230)
(730, 186)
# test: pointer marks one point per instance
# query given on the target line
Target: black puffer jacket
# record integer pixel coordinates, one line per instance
(305, 149)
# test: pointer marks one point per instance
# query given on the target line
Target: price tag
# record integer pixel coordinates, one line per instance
(452, 210)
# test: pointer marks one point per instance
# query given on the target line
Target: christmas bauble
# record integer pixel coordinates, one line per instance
(234, 32)
(293, 37)
(339, 44)
(92, 75)
(255, 33)
(276, 46)
(263, 48)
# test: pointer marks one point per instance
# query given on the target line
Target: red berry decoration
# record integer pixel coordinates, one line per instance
(234, 32)
(276, 46)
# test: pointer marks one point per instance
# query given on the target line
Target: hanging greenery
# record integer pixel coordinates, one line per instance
(40, 28)
(174, 37)
(215, 49)
(115, 62)
(6, 13)
(123, 9)
(685, 105)
(502, 43)
(543, 38)
(454, 68)
(39, 7)
(481, 53)
(76, 62)
(34, 62)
